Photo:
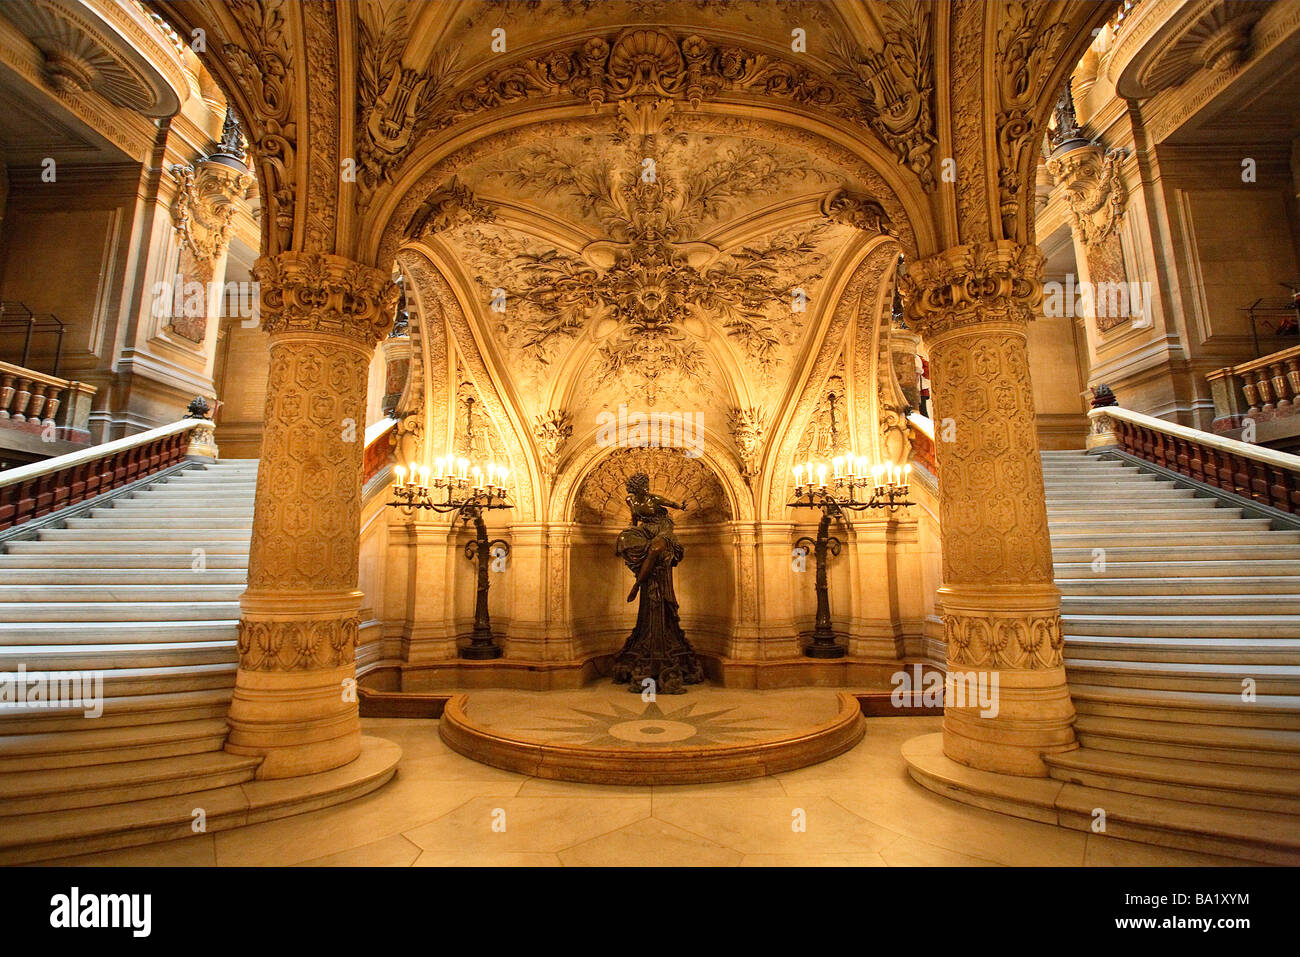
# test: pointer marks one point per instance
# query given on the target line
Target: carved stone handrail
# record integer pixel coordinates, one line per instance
(32, 491)
(1263, 475)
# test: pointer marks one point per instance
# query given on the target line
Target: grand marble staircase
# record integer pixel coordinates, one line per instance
(144, 589)
(1182, 624)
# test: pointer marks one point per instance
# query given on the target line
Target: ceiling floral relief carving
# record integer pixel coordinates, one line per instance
(651, 289)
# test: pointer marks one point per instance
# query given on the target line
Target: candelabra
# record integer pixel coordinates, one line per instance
(849, 478)
(469, 492)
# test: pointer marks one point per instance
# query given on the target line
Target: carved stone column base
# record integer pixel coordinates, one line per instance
(1006, 702)
(295, 700)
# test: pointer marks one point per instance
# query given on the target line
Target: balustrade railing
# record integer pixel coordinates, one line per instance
(1260, 474)
(32, 491)
(32, 400)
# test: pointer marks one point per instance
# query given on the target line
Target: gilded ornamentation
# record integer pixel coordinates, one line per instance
(266, 71)
(747, 428)
(1026, 53)
(1015, 642)
(313, 644)
(313, 292)
(973, 284)
(860, 212)
(552, 430)
(202, 213)
(1096, 196)
(896, 86)
(601, 499)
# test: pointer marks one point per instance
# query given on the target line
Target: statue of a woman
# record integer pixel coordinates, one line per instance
(657, 648)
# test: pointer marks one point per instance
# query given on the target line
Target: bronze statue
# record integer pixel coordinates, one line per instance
(657, 648)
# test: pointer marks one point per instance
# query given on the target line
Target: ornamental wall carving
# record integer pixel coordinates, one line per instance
(1014, 642)
(312, 292)
(601, 498)
(310, 645)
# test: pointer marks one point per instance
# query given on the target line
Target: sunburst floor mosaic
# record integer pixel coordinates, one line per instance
(604, 734)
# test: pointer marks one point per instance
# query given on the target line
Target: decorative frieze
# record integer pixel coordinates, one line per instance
(314, 292)
(986, 282)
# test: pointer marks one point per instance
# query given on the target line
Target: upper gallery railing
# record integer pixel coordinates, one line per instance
(1263, 475)
(31, 491)
(31, 400)
(1270, 385)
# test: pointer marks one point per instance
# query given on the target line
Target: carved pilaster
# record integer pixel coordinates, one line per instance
(298, 619)
(1001, 609)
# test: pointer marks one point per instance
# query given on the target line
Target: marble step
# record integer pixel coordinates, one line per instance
(129, 548)
(55, 835)
(115, 632)
(145, 521)
(172, 513)
(120, 711)
(1134, 527)
(1240, 555)
(1275, 790)
(1160, 495)
(1173, 537)
(1274, 712)
(1222, 606)
(1228, 585)
(137, 668)
(197, 591)
(77, 749)
(124, 576)
(57, 789)
(1268, 570)
(1253, 747)
(181, 561)
(1217, 677)
(1183, 509)
(180, 610)
(1240, 651)
(1184, 626)
(101, 533)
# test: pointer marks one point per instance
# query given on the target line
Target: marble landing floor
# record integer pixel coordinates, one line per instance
(861, 809)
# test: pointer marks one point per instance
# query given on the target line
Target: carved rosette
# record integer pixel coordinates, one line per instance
(326, 295)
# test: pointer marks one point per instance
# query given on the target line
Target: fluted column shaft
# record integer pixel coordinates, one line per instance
(1001, 608)
(294, 701)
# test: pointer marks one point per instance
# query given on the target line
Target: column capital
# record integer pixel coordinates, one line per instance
(320, 293)
(987, 282)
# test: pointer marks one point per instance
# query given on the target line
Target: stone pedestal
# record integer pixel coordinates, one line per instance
(295, 701)
(1000, 607)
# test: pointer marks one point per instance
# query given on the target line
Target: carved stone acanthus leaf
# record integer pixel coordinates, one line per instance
(266, 72)
(988, 282)
(451, 206)
(747, 429)
(860, 212)
(314, 292)
(552, 430)
(310, 645)
(1014, 642)
(1026, 53)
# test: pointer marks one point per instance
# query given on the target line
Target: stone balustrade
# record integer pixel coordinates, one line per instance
(1263, 475)
(32, 400)
(32, 491)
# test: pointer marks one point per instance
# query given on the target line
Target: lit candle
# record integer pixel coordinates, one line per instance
(862, 467)
(809, 469)
(502, 474)
(907, 475)
(424, 477)
(400, 472)
(821, 476)
(441, 464)
(463, 465)
(478, 476)
(876, 472)
(838, 464)
(798, 476)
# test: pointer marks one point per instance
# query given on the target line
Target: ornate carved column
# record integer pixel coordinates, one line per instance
(1001, 609)
(294, 702)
